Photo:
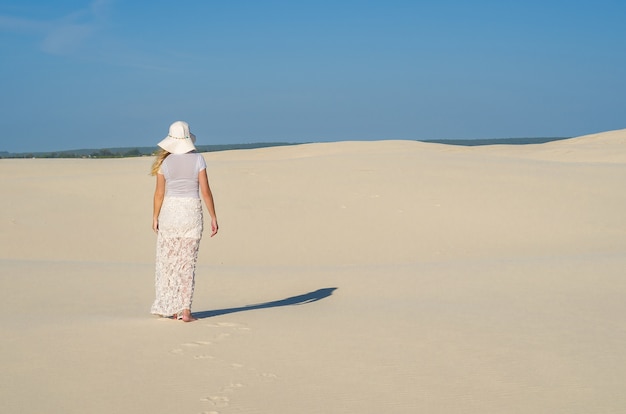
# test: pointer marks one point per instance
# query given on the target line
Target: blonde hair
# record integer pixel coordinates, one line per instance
(160, 156)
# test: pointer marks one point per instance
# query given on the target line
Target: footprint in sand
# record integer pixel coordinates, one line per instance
(197, 343)
(223, 331)
(217, 400)
(181, 351)
(233, 325)
(203, 357)
(230, 388)
(228, 324)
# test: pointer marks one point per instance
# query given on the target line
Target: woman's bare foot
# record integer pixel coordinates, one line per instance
(187, 317)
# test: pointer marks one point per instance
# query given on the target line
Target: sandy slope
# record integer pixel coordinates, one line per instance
(352, 277)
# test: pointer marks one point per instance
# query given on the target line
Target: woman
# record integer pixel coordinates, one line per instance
(177, 219)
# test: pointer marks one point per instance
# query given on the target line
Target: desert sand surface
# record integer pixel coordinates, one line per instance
(348, 277)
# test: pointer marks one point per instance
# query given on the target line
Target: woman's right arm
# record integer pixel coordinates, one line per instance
(159, 194)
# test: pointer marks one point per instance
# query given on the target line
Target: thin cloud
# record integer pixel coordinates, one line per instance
(17, 25)
(63, 36)
(69, 35)
(66, 39)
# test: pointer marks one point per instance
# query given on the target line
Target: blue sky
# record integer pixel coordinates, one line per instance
(114, 73)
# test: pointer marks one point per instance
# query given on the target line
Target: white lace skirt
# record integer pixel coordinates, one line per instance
(178, 240)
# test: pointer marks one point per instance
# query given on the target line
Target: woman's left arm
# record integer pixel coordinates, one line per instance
(207, 195)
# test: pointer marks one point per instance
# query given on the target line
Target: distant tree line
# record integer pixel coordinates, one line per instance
(131, 152)
(143, 151)
(105, 153)
(101, 153)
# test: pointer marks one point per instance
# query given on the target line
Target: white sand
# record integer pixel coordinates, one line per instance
(393, 277)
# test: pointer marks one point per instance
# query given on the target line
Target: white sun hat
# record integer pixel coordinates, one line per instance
(179, 140)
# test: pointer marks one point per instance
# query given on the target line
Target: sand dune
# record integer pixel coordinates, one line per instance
(349, 277)
(605, 147)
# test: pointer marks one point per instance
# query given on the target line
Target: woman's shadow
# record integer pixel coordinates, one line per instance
(294, 300)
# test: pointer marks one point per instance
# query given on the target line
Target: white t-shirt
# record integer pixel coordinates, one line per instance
(181, 174)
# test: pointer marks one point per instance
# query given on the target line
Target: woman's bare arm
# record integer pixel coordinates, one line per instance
(159, 194)
(207, 196)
